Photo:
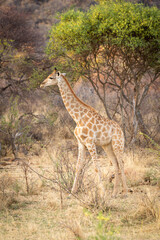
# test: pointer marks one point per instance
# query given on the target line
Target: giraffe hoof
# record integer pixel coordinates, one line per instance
(130, 190)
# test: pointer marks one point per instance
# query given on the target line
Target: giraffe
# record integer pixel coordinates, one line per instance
(91, 129)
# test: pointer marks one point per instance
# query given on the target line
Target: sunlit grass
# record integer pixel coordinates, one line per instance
(41, 215)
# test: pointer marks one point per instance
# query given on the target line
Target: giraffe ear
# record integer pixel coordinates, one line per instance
(64, 74)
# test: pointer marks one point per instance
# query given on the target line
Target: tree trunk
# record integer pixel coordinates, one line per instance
(141, 124)
(135, 123)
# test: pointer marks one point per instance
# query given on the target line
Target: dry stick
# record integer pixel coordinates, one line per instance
(61, 195)
(25, 168)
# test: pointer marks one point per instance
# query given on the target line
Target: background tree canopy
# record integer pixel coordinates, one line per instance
(123, 24)
(115, 45)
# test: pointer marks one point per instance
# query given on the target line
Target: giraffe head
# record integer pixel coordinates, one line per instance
(52, 79)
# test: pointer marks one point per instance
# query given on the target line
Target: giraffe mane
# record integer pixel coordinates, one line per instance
(86, 105)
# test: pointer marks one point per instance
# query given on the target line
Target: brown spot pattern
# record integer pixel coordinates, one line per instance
(89, 125)
(85, 131)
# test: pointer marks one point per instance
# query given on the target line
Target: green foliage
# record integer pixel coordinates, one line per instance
(10, 122)
(36, 78)
(15, 66)
(51, 118)
(153, 176)
(104, 229)
(12, 126)
(6, 54)
(5, 46)
(123, 24)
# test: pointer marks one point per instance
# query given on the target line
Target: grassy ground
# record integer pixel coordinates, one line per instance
(45, 212)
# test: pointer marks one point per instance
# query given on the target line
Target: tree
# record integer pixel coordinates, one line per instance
(17, 44)
(15, 27)
(116, 46)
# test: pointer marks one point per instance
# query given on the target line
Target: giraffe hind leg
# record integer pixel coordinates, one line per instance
(118, 151)
(110, 153)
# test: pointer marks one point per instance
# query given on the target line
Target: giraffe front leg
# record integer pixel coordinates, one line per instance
(79, 165)
(92, 150)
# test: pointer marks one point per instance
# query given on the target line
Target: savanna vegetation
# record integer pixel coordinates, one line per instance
(110, 51)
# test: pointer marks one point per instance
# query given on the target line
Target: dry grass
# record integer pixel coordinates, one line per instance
(40, 213)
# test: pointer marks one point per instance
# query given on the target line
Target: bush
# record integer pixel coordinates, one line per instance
(14, 130)
(9, 189)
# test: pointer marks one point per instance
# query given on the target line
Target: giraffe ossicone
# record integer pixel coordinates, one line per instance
(91, 129)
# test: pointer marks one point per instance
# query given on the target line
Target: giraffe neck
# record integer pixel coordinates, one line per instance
(73, 104)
